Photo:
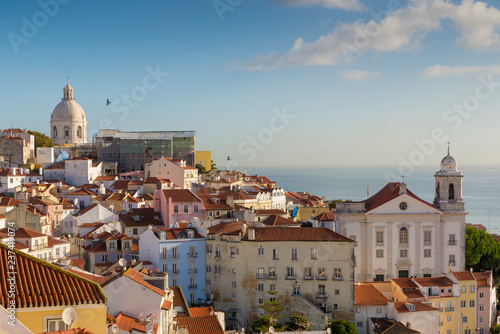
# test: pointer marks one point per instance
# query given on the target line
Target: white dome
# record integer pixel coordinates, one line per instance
(68, 110)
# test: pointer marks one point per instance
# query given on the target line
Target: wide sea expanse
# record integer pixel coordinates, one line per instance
(481, 185)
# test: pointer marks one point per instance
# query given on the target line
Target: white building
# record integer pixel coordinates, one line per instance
(68, 123)
(91, 214)
(400, 235)
(80, 171)
(175, 170)
(11, 178)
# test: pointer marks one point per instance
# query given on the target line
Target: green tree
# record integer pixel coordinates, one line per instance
(201, 169)
(272, 308)
(41, 140)
(481, 251)
(341, 327)
(298, 322)
(496, 329)
(213, 166)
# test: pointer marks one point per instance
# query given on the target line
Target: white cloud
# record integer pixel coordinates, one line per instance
(440, 71)
(340, 4)
(355, 75)
(400, 30)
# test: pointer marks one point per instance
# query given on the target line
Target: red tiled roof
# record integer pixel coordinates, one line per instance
(463, 275)
(274, 220)
(388, 193)
(91, 277)
(177, 233)
(120, 184)
(82, 191)
(166, 305)
(8, 201)
(326, 216)
(211, 206)
(419, 307)
(482, 278)
(367, 294)
(180, 195)
(127, 323)
(41, 284)
(233, 228)
(405, 283)
(78, 262)
(201, 325)
(201, 311)
(137, 277)
(155, 180)
(106, 178)
(55, 165)
(141, 217)
(180, 301)
(434, 281)
(296, 234)
(414, 294)
(23, 232)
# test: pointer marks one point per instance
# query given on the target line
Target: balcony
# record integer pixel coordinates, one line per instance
(380, 243)
(308, 277)
(452, 242)
(192, 255)
(193, 286)
(290, 277)
(39, 246)
(174, 272)
(272, 276)
(322, 277)
(440, 324)
(427, 243)
(173, 256)
(192, 271)
(337, 278)
(451, 263)
(450, 309)
(321, 295)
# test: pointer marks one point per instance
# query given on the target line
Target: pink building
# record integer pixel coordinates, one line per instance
(177, 205)
(486, 301)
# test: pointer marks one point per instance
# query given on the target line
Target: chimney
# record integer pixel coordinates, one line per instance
(102, 190)
(243, 228)
(75, 201)
(95, 235)
(129, 233)
(13, 172)
(251, 234)
(402, 188)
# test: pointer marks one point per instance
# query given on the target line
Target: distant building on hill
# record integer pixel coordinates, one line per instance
(133, 150)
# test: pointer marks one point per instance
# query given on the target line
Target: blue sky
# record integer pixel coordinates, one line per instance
(235, 66)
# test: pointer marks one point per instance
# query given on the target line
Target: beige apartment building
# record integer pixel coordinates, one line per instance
(312, 270)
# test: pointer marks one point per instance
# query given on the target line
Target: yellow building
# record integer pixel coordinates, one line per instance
(307, 269)
(37, 293)
(203, 158)
(467, 296)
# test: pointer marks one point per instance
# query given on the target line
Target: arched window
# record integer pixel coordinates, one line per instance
(79, 132)
(403, 236)
(66, 131)
(451, 191)
(54, 132)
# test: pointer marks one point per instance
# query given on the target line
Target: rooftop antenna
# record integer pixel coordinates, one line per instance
(448, 148)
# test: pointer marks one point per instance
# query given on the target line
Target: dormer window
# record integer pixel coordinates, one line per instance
(163, 236)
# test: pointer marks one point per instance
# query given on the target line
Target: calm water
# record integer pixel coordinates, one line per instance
(480, 185)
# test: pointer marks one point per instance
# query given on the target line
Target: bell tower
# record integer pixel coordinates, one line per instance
(449, 186)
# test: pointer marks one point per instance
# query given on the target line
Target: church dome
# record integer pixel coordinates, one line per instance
(68, 110)
(449, 164)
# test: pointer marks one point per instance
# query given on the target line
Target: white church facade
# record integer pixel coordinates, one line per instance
(68, 123)
(400, 235)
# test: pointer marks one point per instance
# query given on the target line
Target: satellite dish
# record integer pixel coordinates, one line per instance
(122, 262)
(69, 316)
(115, 328)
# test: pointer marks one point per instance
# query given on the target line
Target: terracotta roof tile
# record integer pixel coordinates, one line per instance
(180, 301)
(137, 277)
(41, 284)
(201, 311)
(414, 294)
(482, 278)
(419, 307)
(388, 193)
(127, 323)
(274, 220)
(270, 212)
(367, 294)
(327, 216)
(181, 195)
(296, 234)
(201, 325)
(8, 201)
(85, 274)
(233, 228)
(23, 232)
(405, 283)
(434, 281)
(463, 275)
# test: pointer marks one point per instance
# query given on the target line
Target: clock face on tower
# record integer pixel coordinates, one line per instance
(450, 165)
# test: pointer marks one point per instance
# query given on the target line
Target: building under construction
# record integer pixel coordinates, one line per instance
(133, 150)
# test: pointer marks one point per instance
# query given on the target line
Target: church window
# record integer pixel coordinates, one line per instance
(79, 132)
(54, 132)
(451, 191)
(403, 236)
(66, 131)
(403, 205)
